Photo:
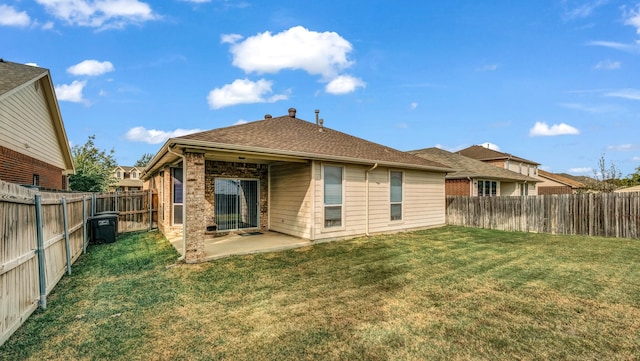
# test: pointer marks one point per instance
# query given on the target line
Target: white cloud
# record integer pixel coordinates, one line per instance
(581, 170)
(624, 147)
(633, 18)
(104, 14)
(490, 146)
(90, 68)
(632, 48)
(608, 65)
(296, 48)
(489, 67)
(9, 16)
(413, 105)
(31, 64)
(344, 84)
(402, 125)
(153, 136)
(635, 159)
(541, 129)
(240, 122)
(581, 10)
(632, 94)
(196, 1)
(230, 38)
(243, 91)
(71, 92)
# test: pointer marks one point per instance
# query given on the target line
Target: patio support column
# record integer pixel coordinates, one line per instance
(194, 206)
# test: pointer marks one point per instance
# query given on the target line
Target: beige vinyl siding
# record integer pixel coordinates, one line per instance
(423, 202)
(509, 189)
(353, 203)
(290, 199)
(27, 126)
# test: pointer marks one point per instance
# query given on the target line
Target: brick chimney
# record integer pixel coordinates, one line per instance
(292, 112)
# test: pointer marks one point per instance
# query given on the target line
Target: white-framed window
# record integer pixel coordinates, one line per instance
(177, 190)
(134, 175)
(333, 195)
(395, 194)
(118, 175)
(487, 188)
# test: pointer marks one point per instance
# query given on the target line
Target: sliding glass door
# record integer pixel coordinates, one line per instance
(237, 204)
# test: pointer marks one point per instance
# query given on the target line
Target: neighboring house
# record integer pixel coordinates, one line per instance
(291, 176)
(505, 161)
(128, 178)
(628, 189)
(34, 149)
(475, 178)
(553, 183)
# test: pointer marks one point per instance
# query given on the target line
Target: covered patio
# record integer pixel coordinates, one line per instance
(242, 244)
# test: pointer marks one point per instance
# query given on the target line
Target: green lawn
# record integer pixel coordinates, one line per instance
(450, 293)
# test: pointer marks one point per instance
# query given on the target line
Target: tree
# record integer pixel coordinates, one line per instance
(94, 168)
(144, 160)
(606, 177)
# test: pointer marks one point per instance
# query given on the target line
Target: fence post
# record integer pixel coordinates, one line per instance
(65, 223)
(93, 204)
(116, 202)
(84, 224)
(40, 251)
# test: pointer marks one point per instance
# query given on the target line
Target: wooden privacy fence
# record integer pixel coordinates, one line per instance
(43, 234)
(592, 214)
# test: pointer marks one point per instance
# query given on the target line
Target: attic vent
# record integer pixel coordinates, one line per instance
(267, 116)
(292, 112)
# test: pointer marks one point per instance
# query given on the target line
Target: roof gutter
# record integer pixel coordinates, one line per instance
(206, 145)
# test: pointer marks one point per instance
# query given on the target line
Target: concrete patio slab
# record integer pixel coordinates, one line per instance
(241, 244)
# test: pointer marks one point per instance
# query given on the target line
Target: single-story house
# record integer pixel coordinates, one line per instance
(475, 178)
(288, 175)
(127, 178)
(34, 149)
(553, 183)
(505, 161)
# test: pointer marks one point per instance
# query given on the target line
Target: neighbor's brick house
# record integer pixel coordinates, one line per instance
(475, 178)
(34, 149)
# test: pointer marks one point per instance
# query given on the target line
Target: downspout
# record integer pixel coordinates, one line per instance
(366, 199)
(184, 203)
(313, 200)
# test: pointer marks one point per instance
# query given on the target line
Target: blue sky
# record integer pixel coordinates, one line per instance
(555, 81)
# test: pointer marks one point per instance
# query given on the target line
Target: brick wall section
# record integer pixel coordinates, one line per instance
(19, 168)
(457, 187)
(554, 190)
(194, 180)
(216, 169)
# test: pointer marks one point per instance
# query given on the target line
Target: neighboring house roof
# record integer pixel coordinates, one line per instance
(288, 137)
(629, 189)
(578, 178)
(128, 169)
(129, 183)
(561, 179)
(14, 77)
(466, 167)
(482, 153)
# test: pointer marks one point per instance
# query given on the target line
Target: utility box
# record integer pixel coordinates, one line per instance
(103, 228)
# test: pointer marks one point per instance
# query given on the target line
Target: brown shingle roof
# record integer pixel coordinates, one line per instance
(468, 167)
(483, 153)
(293, 136)
(13, 75)
(560, 179)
